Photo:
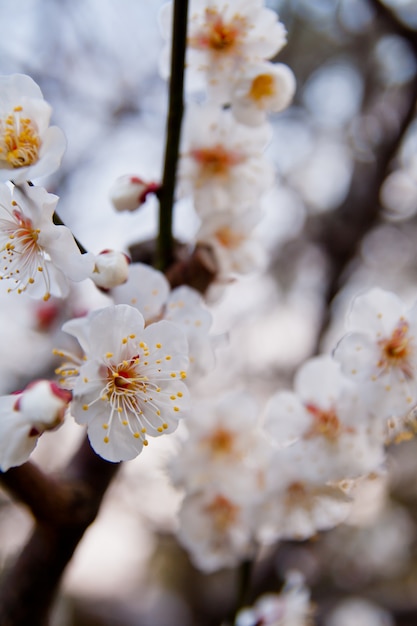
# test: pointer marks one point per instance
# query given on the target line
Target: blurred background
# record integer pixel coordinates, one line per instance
(342, 217)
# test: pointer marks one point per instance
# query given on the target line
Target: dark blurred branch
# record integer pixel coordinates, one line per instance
(394, 24)
(341, 233)
(63, 511)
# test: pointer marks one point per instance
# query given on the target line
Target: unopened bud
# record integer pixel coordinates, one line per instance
(44, 404)
(129, 192)
(111, 269)
(25, 415)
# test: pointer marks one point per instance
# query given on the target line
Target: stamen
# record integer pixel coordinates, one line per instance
(19, 140)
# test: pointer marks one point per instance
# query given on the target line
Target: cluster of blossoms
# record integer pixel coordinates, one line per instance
(291, 607)
(129, 383)
(222, 166)
(251, 475)
(291, 470)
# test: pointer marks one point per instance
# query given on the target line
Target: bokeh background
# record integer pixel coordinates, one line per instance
(340, 218)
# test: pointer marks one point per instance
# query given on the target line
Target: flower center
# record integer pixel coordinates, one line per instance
(229, 238)
(217, 35)
(295, 492)
(216, 160)
(124, 380)
(397, 350)
(23, 257)
(262, 87)
(19, 140)
(325, 423)
(223, 513)
(220, 441)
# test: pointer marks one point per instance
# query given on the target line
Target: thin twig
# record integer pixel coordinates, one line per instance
(173, 133)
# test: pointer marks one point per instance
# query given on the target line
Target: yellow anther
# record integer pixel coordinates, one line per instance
(105, 426)
(136, 435)
(168, 357)
(159, 345)
(106, 440)
(180, 394)
(145, 442)
(183, 374)
(109, 355)
(85, 407)
(173, 375)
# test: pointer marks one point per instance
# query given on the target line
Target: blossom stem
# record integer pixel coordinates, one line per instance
(173, 133)
(244, 580)
(57, 220)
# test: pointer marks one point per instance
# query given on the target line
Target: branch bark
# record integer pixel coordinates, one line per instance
(63, 509)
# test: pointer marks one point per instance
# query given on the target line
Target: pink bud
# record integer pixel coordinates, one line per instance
(44, 404)
(129, 192)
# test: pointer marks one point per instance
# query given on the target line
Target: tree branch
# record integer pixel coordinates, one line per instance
(28, 588)
(173, 134)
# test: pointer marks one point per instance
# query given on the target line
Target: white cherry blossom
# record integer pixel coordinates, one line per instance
(148, 290)
(38, 257)
(299, 501)
(327, 418)
(216, 529)
(222, 164)
(29, 147)
(291, 607)
(263, 88)
(131, 381)
(24, 416)
(225, 447)
(380, 351)
(184, 306)
(224, 36)
(235, 247)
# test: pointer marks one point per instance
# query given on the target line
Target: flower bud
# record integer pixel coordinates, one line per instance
(43, 403)
(129, 192)
(25, 415)
(111, 269)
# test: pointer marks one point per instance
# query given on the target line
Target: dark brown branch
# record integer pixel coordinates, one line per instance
(341, 233)
(28, 588)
